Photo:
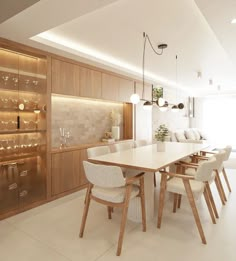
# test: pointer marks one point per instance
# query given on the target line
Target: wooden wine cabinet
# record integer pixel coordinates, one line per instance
(22, 130)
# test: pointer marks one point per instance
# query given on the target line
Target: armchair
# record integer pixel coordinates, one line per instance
(108, 187)
(192, 187)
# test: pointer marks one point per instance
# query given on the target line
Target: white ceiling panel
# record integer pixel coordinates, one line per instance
(110, 33)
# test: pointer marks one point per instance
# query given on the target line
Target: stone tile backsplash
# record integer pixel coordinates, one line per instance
(86, 120)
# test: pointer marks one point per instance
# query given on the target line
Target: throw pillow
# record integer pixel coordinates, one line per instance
(180, 135)
(190, 135)
(197, 134)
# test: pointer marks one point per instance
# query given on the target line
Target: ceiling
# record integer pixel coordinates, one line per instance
(109, 33)
(13, 7)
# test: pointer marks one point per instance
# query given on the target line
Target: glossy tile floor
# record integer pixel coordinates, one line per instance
(50, 232)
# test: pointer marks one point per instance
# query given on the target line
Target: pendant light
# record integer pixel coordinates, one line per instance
(135, 97)
(180, 106)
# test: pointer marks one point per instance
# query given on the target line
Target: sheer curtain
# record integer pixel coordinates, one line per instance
(219, 120)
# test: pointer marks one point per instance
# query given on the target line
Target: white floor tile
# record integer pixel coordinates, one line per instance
(50, 232)
(16, 245)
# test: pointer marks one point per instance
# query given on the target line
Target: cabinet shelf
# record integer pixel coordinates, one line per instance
(20, 131)
(20, 111)
(20, 156)
(38, 90)
(21, 72)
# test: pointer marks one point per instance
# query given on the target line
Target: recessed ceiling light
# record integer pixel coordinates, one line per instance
(233, 21)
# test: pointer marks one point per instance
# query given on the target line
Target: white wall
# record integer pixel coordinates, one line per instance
(173, 120)
(143, 123)
(215, 116)
(146, 122)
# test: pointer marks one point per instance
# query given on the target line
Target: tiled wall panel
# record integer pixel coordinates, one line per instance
(87, 120)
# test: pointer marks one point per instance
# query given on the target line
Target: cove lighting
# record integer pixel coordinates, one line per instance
(92, 53)
(68, 98)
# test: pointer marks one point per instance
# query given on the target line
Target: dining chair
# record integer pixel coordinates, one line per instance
(220, 156)
(140, 143)
(192, 187)
(108, 187)
(228, 150)
(190, 169)
(98, 151)
(123, 146)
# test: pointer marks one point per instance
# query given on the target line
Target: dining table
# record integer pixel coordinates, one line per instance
(149, 160)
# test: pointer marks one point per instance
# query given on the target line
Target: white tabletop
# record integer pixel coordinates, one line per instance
(147, 158)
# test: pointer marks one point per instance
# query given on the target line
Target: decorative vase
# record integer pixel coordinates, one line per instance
(115, 132)
(160, 146)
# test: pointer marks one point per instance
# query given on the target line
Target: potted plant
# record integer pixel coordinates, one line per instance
(161, 135)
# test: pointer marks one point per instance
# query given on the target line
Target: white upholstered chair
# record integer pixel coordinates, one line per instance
(123, 146)
(190, 169)
(98, 151)
(220, 156)
(192, 187)
(140, 143)
(228, 150)
(108, 186)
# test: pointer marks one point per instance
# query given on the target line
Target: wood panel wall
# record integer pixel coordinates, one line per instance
(69, 77)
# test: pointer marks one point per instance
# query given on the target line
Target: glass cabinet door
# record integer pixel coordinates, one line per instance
(22, 129)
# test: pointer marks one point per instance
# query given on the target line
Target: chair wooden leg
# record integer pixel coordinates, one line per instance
(123, 219)
(155, 182)
(179, 201)
(221, 186)
(85, 213)
(175, 202)
(142, 198)
(226, 179)
(209, 206)
(194, 209)
(219, 190)
(109, 210)
(161, 199)
(208, 189)
(86, 196)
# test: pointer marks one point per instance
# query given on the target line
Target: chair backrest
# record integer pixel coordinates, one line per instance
(123, 146)
(140, 143)
(220, 157)
(205, 170)
(103, 175)
(228, 150)
(98, 151)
